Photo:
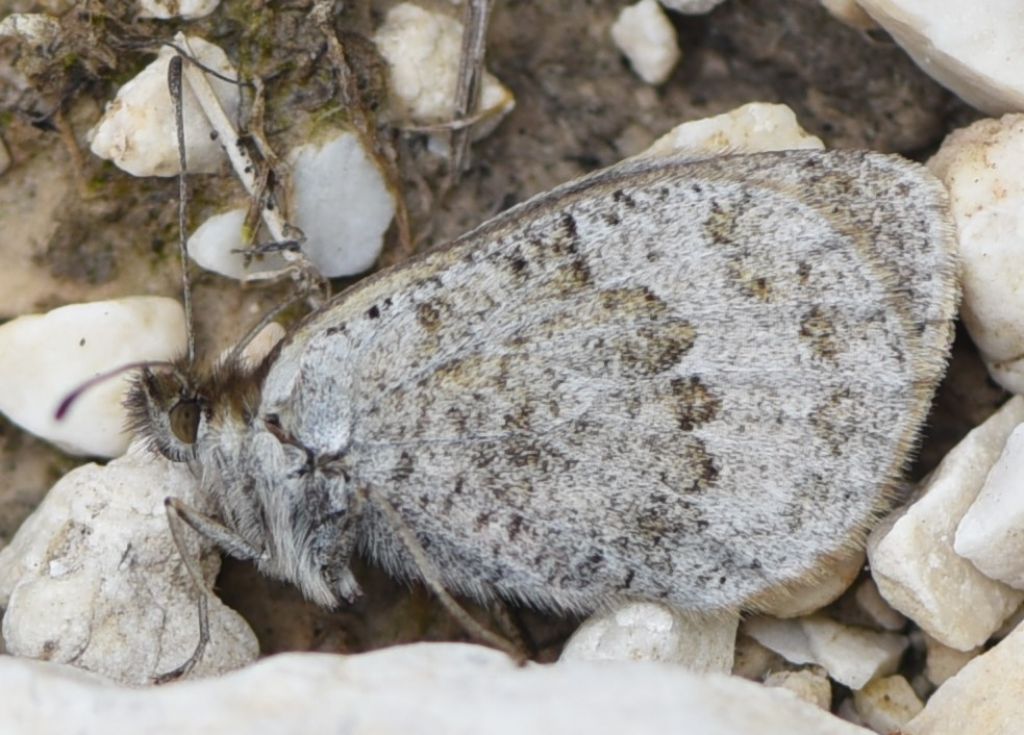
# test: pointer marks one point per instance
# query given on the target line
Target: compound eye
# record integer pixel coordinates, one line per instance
(184, 419)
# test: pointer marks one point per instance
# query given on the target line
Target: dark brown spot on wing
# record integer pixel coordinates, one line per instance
(633, 301)
(760, 288)
(834, 419)
(818, 330)
(573, 276)
(695, 404)
(569, 223)
(720, 225)
(429, 315)
(749, 283)
(623, 198)
(515, 525)
(702, 465)
(483, 520)
(404, 469)
(649, 351)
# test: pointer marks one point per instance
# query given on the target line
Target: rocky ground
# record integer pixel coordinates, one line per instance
(915, 633)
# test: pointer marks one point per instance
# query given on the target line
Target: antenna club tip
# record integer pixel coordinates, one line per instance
(62, 409)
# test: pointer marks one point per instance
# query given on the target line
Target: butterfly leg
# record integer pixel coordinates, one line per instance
(178, 516)
(431, 576)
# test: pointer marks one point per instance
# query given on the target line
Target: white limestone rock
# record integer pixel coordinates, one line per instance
(692, 7)
(648, 40)
(751, 128)
(429, 689)
(36, 28)
(753, 661)
(811, 685)
(943, 662)
(422, 50)
(93, 578)
(880, 612)
(984, 697)
(338, 198)
(887, 704)
(137, 130)
(341, 202)
(43, 357)
(649, 631)
(852, 656)
(217, 243)
(980, 166)
(969, 49)
(824, 586)
(184, 9)
(911, 552)
(991, 533)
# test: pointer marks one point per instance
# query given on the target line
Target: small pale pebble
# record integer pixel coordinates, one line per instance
(911, 551)
(980, 166)
(137, 129)
(872, 604)
(753, 661)
(423, 688)
(852, 656)
(648, 40)
(692, 7)
(751, 128)
(984, 697)
(649, 631)
(943, 662)
(811, 685)
(887, 704)
(184, 9)
(991, 533)
(120, 603)
(851, 13)
(967, 51)
(43, 357)
(422, 50)
(216, 246)
(341, 202)
(35, 28)
(833, 579)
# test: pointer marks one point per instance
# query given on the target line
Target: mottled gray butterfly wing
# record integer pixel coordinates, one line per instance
(676, 380)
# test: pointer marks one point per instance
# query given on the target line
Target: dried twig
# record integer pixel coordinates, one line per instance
(241, 161)
(70, 142)
(246, 169)
(364, 125)
(467, 90)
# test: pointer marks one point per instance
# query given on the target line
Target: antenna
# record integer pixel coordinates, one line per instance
(70, 398)
(174, 85)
